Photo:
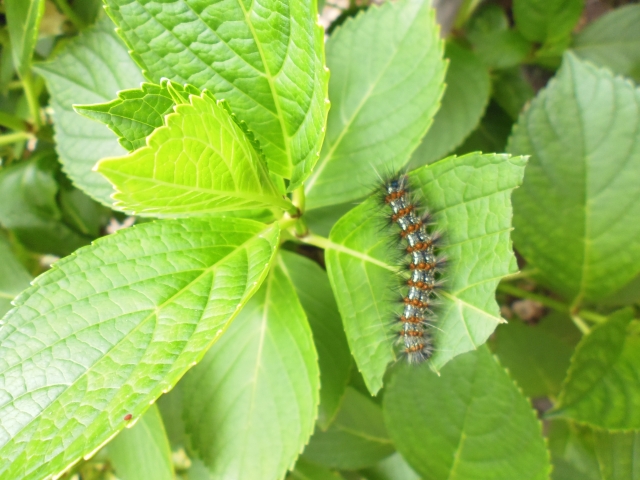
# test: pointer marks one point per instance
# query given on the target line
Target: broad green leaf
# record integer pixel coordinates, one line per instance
(491, 134)
(142, 451)
(387, 75)
(602, 388)
(134, 115)
(613, 41)
(107, 330)
(393, 467)
(512, 91)
(470, 199)
(314, 291)
(200, 162)
(356, 439)
(29, 207)
(13, 276)
(90, 68)
(464, 102)
(546, 20)
(585, 165)
(572, 449)
(265, 58)
(537, 356)
(305, 470)
(494, 43)
(471, 422)
(23, 19)
(250, 406)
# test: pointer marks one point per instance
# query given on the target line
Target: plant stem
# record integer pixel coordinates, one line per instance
(32, 98)
(10, 138)
(583, 327)
(70, 14)
(556, 305)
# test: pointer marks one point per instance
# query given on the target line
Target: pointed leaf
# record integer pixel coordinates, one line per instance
(201, 162)
(471, 422)
(142, 451)
(463, 104)
(602, 388)
(613, 41)
(314, 291)
(469, 198)
(266, 59)
(90, 68)
(581, 133)
(387, 75)
(23, 20)
(250, 406)
(108, 329)
(356, 439)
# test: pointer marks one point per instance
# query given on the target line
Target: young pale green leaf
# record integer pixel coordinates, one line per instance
(387, 75)
(200, 163)
(30, 210)
(250, 406)
(356, 439)
(546, 20)
(13, 276)
(23, 20)
(470, 199)
(134, 115)
(613, 41)
(107, 330)
(470, 423)
(464, 102)
(90, 68)
(537, 356)
(142, 451)
(315, 294)
(394, 467)
(265, 58)
(602, 388)
(581, 133)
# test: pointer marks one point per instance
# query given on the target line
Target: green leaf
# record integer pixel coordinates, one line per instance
(613, 41)
(393, 467)
(13, 276)
(537, 356)
(463, 104)
(142, 451)
(469, 198)
(107, 330)
(134, 115)
(90, 68)
(573, 453)
(305, 470)
(23, 20)
(492, 133)
(546, 20)
(471, 422)
(201, 162)
(266, 59)
(250, 406)
(602, 388)
(512, 91)
(494, 43)
(29, 207)
(314, 291)
(618, 454)
(581, 133)
(387, 75)
(356, 439)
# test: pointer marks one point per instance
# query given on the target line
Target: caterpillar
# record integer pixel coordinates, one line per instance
(417, 319)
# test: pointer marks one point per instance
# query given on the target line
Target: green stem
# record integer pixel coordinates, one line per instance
(583, 327)
(32, 98)
(10, 138)
(577, 316)
(70, 14)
